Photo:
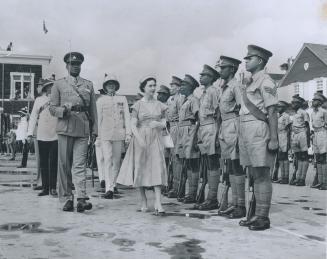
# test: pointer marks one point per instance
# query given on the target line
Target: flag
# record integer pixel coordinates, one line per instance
(45, 30)
(9, 48)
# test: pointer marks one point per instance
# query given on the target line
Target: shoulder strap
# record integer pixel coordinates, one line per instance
(83, 100)
(42, 108)
(254, 110)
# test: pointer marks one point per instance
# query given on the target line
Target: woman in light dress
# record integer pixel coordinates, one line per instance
(144, 163)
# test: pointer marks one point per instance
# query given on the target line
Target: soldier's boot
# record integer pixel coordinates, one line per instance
(324, 176)
(212, 201)
(193, 178)
(83, 205)
(263, 193)
(240, 210)
(317, 182)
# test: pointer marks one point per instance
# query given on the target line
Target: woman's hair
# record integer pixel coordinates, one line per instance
(143, 83)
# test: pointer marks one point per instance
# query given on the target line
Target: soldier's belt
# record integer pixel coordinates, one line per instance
(248, 117)
(79, 108)
(186, 123)
(228, 116)
(207, 121)
(298, 129)
(173, 123)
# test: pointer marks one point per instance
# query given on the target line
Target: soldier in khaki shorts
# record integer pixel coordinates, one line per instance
(208, 134)
(230, 100)
(319, 124)
(72, 101)
(300, 142)
(258, 133)
(187, 137)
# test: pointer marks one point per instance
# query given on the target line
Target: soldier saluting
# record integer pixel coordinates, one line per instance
(258, 140)
(73, 103)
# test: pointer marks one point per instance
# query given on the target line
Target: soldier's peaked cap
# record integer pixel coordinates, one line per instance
(225, 61)
(283, 104)
(75, 57)
(297, 98)
(47, 82)
(191, 80)
(254, 50)
(319, 97)
(176, 80)
(208, 70)
(164, 89)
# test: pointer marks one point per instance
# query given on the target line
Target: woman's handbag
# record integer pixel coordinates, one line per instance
(167, 141)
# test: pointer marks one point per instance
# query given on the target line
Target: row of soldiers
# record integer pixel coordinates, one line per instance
(221, 124)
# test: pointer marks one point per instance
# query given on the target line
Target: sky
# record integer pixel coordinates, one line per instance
(133, 39)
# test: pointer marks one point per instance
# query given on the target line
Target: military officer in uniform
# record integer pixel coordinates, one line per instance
(73, 103)
(258, 140)
(174, 104)
(284, 141)
(229, 104)
(163, 94)
(300, 140)
(208, 133)
(319, 124)
(114, 129)
(187, 137)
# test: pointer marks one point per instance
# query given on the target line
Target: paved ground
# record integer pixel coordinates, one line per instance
(35, 227)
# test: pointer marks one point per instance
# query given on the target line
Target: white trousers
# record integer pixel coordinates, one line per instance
(111, 151)
(100, 159)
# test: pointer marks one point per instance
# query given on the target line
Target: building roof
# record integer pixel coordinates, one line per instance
(314, 56)
(11, 57)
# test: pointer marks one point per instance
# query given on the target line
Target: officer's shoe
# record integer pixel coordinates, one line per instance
(82, 205)
(247, 222)
(323, 187)
(261, 223)
(54, 193)
(316, 186)
(189, 199)
(172, 194)
(226, 212)
(109, 195)
(43, 193)
(284, 181)
(116, 190)
(69, 206)
(300, 183)
(209, 205)
(180, 199)
(293, 182)
(103, 184)
(238, 213)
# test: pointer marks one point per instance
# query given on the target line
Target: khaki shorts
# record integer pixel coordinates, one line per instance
(320, 142)
(299, 141)
(228, 139)
(207, 139)
(174, 135)
(253, 141)
(282, 141)
(185, 142)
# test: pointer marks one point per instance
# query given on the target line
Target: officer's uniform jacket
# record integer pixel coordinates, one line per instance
(75, 124)
(113, 118)
(319, 124)
(174, 104)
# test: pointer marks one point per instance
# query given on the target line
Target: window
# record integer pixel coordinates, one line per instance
(22, 85)
(320, 84)
(296, 89)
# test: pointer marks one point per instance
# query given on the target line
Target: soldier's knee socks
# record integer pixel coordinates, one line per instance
(262, 191)
(286, 170)
(323, 159)
(177, 170)
(195, 181)
(240, 189)
(213, 182)
(234, 190)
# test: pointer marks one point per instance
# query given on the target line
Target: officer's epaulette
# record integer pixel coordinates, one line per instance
(85, 80)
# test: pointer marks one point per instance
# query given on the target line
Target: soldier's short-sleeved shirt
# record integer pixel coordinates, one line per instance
(174, 104)
(262, 92)
(283, 121)
(230, 97)
(189, 108)
(300, 118)
(319, 118)
(209, 102)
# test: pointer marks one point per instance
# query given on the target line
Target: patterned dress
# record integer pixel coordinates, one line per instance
(145, 166)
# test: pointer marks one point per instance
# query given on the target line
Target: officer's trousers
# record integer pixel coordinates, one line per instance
(100, 160)
(112, 151)
(72, 153)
